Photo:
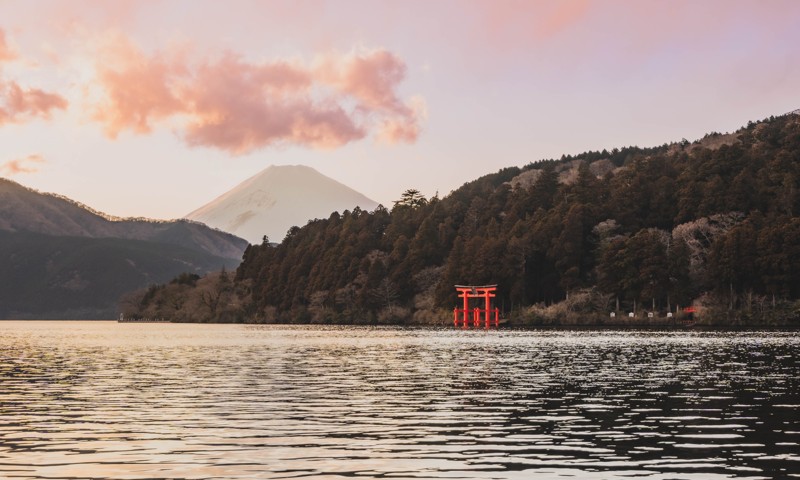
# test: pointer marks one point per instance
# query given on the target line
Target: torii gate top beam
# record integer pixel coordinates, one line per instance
(472, 291)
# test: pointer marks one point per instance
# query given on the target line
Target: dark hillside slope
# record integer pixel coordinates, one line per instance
(44, 277)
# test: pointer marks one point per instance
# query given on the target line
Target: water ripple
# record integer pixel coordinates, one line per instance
(144, 401)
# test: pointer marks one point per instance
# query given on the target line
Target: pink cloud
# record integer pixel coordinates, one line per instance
(372, 79)
(138, 89)
(562, 16)
(5, 51)
(525, 23)
(239, 106)
(18, 104)
(396, 131)
(22, 165)
(405, 126)
(240, 125)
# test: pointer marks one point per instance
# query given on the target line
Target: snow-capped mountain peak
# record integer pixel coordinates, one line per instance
(276, 199)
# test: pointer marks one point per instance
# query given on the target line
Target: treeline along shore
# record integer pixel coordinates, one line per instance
(711, 224)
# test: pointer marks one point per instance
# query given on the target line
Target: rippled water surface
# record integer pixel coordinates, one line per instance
(144, 401)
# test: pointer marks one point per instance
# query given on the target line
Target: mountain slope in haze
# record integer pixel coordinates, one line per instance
(61, 259)
(276, 199)
(70, 277)
(26, 210)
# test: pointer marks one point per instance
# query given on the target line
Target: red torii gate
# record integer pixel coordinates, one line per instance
(473, 291)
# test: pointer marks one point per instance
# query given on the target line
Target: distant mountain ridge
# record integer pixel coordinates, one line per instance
(23, 209)
(60, 259)
(276, 199)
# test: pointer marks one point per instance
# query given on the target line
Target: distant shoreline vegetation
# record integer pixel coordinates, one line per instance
(711, 224)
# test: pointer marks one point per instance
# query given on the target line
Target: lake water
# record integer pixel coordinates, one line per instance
(145, 401)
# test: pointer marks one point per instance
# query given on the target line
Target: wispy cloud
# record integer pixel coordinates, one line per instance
(530, 21)
(5, 51)
(19, 104)
(239, 106)
(29, 164)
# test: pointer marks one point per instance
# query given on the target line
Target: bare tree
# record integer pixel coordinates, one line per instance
(386, 293)
(699, 235)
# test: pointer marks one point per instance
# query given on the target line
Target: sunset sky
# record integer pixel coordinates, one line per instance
(153, 108)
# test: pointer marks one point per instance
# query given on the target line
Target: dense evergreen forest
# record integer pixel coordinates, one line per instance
(712, 223)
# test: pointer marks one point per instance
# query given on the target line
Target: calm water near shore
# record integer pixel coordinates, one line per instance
(145, 401)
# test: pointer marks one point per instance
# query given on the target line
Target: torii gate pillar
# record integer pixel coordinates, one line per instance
(487, 292)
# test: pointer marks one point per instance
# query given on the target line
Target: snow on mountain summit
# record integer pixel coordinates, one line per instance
(276, 199)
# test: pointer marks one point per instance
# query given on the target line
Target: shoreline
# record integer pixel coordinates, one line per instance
(503, 326)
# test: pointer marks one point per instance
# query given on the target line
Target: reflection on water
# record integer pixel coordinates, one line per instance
(143, 401)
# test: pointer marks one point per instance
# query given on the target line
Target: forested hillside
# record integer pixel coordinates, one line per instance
(712, 222)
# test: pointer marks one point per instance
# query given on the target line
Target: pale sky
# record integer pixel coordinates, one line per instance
(153, 108)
